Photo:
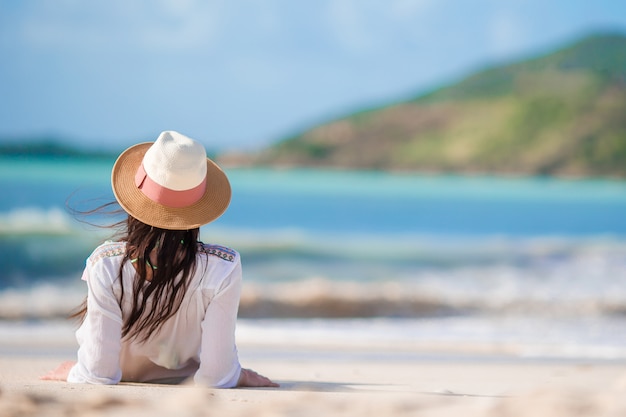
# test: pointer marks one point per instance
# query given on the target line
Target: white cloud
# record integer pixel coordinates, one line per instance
(363, 26)
(164, 24)
(409, 10)
(507, 34)
(347, 24)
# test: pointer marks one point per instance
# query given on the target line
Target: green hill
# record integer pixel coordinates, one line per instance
(563, 113)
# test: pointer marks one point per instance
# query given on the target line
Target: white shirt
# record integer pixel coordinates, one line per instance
(198, 341)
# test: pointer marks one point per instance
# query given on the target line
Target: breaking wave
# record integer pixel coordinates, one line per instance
(296, 273)
(322, 298)
(34, 220)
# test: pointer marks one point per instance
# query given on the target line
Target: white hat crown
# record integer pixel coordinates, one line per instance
(176, 162)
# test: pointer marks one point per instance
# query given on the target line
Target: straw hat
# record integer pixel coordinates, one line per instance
(170, 184)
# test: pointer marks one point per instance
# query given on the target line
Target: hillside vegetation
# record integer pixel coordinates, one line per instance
(563, 114)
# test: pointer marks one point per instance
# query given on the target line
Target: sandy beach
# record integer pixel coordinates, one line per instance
(333, 382)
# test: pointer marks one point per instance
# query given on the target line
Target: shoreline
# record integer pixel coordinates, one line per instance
(466, 339)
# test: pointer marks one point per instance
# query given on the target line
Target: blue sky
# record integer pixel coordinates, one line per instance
(242, 74)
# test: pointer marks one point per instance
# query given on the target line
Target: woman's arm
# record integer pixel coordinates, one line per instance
(60, 373)
(249, 378)
(99, 336)
(219, 362)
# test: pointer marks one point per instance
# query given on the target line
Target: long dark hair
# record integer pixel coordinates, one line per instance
(176, 252)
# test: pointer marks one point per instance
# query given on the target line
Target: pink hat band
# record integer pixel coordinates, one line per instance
(165, 196)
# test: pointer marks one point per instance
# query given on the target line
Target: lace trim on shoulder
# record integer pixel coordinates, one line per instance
(107, 250)
(222, 252)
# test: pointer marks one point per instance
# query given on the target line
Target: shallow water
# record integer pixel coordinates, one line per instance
(400, 246)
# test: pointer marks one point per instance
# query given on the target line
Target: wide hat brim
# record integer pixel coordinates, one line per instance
(211, 205)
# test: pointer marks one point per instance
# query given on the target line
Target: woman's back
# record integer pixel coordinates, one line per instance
(200, 332)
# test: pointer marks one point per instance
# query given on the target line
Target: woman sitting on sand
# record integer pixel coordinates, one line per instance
(161, 306)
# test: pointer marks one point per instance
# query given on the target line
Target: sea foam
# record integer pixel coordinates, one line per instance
(35, 220)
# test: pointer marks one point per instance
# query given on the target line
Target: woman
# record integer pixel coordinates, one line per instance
(161, 306)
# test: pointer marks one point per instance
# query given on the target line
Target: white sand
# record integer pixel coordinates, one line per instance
(315, 386)
(350, 379)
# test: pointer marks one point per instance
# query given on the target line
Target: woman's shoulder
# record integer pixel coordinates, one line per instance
(219, 265)
(107, 250)
(218, 251)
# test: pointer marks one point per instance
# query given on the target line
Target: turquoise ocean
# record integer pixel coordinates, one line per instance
(530, 267)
